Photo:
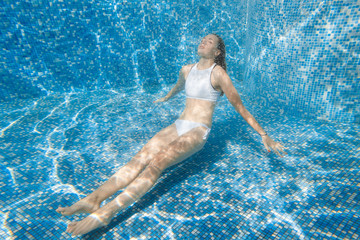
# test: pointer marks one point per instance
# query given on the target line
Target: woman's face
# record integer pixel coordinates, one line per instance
(208, 47)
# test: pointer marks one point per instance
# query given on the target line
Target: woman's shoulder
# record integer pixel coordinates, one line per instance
(219, 71)
(189, 66)
(186, 69)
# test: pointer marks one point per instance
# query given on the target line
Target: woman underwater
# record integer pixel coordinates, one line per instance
(204, 83)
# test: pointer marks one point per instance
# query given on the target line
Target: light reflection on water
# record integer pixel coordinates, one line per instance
(64, 146)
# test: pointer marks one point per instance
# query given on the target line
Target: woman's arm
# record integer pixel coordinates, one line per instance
(179, 86)
(223, 81)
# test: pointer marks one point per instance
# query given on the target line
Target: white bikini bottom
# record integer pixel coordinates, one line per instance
(183, 126)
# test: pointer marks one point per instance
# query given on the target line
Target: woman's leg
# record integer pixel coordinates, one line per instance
(124, 175)
(175, 152)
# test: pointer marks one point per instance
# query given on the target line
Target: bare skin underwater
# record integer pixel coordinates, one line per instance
(167, 147)
(139, 175)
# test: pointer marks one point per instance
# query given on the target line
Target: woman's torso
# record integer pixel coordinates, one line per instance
(198, 110)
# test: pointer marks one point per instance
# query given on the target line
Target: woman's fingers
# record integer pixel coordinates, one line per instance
(159, 100)
(266, 146)
(276, 147)
(279, 148)
(282, 150)
(282, 146)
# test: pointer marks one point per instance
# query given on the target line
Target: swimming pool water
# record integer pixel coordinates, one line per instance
(65, 146)
(78, 82)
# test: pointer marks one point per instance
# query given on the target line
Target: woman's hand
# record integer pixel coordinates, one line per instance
(160, 100)
(277, 147)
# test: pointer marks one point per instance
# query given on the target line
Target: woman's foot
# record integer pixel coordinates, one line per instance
(93, 221)
(82, 206)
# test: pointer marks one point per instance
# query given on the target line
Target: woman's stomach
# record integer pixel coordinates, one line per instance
(198, 110)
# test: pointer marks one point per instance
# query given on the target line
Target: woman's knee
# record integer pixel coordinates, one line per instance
(144, 182)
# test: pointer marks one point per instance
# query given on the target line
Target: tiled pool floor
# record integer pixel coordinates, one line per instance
(62, 147)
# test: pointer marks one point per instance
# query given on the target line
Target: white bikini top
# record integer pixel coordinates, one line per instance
(198, 85)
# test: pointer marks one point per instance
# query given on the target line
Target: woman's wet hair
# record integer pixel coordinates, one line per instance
(220, 59)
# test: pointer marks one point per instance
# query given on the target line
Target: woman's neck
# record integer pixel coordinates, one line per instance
(205, 63)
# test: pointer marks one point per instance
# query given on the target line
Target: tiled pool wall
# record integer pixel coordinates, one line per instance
(302, 57)
(294, 57)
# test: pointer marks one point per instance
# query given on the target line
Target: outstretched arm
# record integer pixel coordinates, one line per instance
(223, 81)
(179, 86)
